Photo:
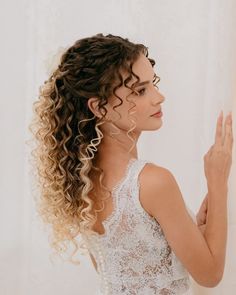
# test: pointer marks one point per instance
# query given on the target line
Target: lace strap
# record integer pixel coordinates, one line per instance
(120, 191)
(119, 199)
(136, 169)
(134, 184)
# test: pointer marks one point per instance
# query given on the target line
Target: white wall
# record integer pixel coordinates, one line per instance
(194, 45)
(12, 121)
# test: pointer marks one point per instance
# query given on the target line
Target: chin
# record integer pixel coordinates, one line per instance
(150, 128)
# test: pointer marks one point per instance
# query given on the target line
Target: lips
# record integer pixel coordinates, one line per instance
(156, 112)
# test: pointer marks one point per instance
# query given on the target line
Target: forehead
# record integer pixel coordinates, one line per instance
(141, 67)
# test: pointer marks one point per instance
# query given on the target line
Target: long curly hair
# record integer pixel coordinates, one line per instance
(66, 132)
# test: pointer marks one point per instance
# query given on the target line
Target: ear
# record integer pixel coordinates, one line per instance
(93, 106)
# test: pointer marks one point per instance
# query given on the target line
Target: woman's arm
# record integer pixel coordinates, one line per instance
(161, 197)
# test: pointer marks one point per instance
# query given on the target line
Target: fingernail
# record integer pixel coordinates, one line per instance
(221, 113)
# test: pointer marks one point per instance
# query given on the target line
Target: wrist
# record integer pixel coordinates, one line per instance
(213, 190)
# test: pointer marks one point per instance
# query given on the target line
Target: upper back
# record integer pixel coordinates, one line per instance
(134, 248)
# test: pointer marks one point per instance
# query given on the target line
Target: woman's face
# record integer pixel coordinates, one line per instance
(141, 103)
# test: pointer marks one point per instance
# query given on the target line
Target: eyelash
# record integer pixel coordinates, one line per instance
(155, 81)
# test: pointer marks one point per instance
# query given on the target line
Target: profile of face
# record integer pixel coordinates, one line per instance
(139, 105)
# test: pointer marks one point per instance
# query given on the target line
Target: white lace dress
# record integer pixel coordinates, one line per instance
(133, 257)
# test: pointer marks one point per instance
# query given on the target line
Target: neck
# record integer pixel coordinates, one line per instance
(117, 149)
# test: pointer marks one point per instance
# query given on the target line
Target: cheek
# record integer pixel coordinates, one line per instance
(142, 109)
(118, 116)
(139, 110)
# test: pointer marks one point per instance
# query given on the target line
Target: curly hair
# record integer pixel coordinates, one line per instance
(66, 132)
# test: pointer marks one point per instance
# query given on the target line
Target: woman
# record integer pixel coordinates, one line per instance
(130, 213)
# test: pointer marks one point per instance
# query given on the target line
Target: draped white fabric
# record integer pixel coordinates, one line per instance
(194, 45)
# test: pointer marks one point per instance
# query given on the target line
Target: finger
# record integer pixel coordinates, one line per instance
(228, 135)
(210, 149)
(205, 203)
(218, 134)
(201, 219)
(204, 207)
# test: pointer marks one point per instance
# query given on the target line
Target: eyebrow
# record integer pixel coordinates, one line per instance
(136, 84)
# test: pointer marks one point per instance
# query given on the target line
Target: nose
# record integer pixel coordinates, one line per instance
(158, 98)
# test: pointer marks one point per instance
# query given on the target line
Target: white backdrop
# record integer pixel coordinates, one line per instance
(194, 45)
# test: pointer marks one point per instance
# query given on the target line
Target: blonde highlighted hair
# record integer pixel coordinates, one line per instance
(66, 133)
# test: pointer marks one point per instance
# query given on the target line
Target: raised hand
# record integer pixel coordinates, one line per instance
(218, 160)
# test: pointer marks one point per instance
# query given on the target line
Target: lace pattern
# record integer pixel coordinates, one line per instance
(133, 256)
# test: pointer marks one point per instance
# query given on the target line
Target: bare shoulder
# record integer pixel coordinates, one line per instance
(153, 173)
(153, 179)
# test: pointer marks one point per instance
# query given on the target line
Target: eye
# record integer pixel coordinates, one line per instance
(142, 91)
(139, 92)
(155, 81)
